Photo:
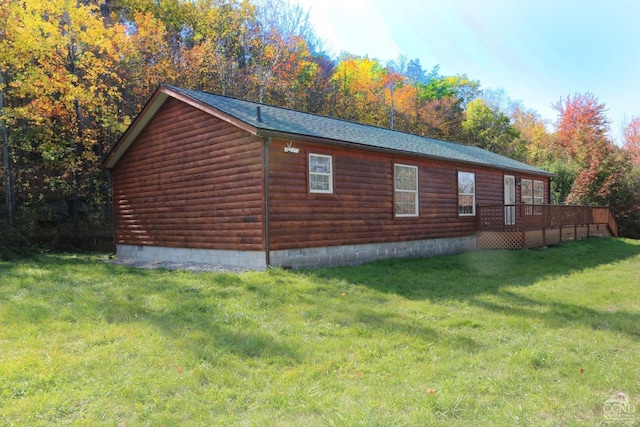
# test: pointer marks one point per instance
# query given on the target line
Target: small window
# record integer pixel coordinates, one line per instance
(406, 190)
(320, 173)
(466, 193)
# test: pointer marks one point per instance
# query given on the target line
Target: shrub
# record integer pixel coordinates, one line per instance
(14, 242)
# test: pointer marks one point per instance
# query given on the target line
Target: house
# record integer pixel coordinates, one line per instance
(205, 178)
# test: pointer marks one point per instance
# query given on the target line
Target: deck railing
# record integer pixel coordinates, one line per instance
(525, 225)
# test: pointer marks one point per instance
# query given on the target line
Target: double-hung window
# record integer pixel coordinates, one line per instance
(538, 192)
(406, 190)
(532, 193)
(320, 173)
(466, 193)
(526, 191)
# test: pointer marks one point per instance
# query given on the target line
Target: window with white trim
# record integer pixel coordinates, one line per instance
(320, 173)
(466, 193)
(532, 192)
(526, 191)
(538, 192)
(405, 199)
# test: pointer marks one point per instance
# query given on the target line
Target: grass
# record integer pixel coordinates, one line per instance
(540, 337)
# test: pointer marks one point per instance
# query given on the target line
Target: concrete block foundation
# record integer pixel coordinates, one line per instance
(299, 258)
(360, 254)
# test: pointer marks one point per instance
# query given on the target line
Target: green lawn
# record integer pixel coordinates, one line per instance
(536, 337)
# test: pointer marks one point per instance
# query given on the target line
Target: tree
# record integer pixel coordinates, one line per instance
(148, 60)
(280, 30)
(459, 87)
(539, 144)
(62, 99)
(438, 118)
(5, 156)
(582, 125)
(360, 90)
(488, 128)
(582, 129)
(632, 140)
(6, 175)
(221, 38)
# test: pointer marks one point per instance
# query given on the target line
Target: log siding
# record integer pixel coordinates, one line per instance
(190, 180)
(197, 176)
(360, 209)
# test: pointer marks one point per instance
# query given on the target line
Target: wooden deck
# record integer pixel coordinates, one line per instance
(526, 226)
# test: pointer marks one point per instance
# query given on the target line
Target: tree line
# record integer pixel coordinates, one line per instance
(74, 74)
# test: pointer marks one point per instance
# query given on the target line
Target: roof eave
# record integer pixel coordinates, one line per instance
(315, 139)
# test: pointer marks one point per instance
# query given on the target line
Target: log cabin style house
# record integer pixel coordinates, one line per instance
(204, 178)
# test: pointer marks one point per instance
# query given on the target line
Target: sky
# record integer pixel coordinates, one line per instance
(537, 51)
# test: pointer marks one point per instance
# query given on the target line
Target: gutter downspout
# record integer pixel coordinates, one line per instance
(265, 184)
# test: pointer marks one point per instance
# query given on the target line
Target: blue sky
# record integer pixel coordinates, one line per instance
(537, 51)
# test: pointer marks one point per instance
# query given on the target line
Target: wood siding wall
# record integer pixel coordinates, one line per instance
(360, 210)
(190, 180)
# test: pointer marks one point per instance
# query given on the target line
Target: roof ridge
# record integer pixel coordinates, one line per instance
(307, 124)
(321, 116)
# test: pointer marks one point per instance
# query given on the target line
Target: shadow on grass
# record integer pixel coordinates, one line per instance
(557, 314)
(464, 276)
(189, 308)
(470, 276)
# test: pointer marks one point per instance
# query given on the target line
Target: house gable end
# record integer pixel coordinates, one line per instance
(149, 111)
(190, 180)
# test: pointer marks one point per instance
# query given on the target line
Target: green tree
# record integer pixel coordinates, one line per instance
(488, 128)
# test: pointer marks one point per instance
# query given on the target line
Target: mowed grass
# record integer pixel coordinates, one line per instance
(537, 337)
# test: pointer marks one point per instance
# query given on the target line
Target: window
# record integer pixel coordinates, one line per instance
(538, 192)
(406, 190)
(532, 192)
(526, 191)
(466, 193)
(320, 173)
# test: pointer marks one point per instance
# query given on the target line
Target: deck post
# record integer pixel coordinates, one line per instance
(523, 215)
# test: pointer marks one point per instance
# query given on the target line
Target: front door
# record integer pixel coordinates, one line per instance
(509, 200)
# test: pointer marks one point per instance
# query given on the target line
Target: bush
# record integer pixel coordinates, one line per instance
(14, 242)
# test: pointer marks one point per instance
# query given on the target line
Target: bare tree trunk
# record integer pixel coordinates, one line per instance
(5, 156)
(72, 58)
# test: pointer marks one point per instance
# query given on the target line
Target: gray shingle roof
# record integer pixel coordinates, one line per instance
(276, 119)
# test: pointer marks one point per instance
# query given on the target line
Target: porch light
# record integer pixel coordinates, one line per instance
(290, 149)
(518, 182)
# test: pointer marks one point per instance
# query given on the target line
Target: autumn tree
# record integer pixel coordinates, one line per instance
(582, 133)
(629, 214)
(5, 15)
(278, 47)
(536, 140)
(59, 60)
(360, 90)
(148, 61)
(220, 37)
(632, 140)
